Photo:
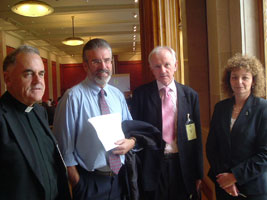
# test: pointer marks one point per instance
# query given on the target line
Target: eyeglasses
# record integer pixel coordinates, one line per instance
(98, 62)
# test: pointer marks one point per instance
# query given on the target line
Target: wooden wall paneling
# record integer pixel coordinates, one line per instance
(147, 30)
(46, 93)
(264, 27)
(61, 69)
(169, 14)
(115, 64)
(134, 68)
(54, 80)
(198, 71)
(159, 22)
(262, 37)
(71, 74)
(198, 54)
(9, 49)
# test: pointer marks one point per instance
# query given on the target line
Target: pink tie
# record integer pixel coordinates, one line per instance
(167, 116)
(114, 160)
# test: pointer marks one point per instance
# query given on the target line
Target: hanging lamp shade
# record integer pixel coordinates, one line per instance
(30, 8)
(73, 41)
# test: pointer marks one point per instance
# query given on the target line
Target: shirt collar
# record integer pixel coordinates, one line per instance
(171, 86)
(20, 106)
(95, 88)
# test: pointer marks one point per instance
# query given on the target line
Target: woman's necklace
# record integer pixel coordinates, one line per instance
(237, 109)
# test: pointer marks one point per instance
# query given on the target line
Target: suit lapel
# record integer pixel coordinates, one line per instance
(183, 110)
(22, 139)
(225, 119)
(154, 97)
(182, 107)
(154, 103)
(241, 121)
(43, 121)
(244, 115)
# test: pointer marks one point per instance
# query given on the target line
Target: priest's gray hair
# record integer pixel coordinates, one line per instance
(10, 59)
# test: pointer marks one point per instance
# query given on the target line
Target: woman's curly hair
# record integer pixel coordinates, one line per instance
(250, 64)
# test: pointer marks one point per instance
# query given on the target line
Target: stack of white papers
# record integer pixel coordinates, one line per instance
(108, 129)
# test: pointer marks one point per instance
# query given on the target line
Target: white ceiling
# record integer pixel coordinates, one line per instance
(111, 20)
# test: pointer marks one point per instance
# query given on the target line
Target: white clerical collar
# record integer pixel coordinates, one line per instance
(28, 109)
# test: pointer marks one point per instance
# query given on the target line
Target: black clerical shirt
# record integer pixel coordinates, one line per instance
(44, 149)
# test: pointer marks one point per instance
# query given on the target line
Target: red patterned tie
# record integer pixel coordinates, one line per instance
(102, 102)
(114, 160)
(167, 116)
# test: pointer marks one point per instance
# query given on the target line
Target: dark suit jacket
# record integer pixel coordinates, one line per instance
(19, 171)
(146, 106)
(243, 151)
(138, 174)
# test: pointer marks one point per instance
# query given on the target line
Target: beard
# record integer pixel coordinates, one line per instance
(102, 80)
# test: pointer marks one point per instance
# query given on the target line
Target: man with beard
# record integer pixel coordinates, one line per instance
(89, 168)
(31, 165)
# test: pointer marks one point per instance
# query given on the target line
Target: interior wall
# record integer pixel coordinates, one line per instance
(46, 93)
(250, 27)
(70, 59)
(12, 41)
(134, 68)
(219, 41)
(135, 56)
(71, 74)
(197, 55)
(3, 53)
(54, 80)
(197, 67)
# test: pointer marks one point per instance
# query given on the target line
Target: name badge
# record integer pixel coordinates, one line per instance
(190, 129)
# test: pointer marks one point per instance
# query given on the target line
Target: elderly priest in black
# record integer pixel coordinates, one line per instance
(31, 166)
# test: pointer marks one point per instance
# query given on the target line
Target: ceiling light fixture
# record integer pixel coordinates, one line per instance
(73, 41)
(31, 8)
(135, 15)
